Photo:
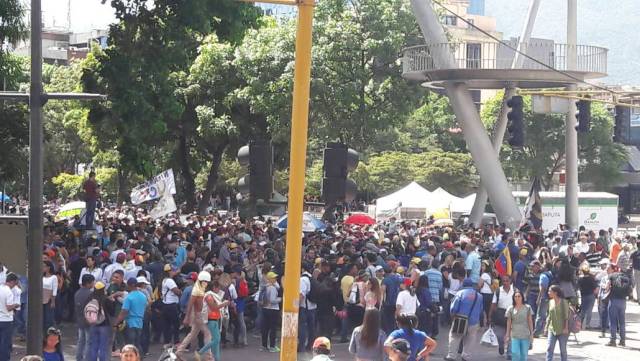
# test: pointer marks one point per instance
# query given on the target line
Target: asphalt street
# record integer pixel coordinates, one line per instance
(589, 346)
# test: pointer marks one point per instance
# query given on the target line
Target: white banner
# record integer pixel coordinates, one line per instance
(149, 190)
(166, 204)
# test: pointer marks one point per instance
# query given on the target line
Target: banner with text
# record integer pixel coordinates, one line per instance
(151, 190)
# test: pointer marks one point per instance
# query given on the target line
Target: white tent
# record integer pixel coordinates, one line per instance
(413, 196)
(463, 205)
(442, 199)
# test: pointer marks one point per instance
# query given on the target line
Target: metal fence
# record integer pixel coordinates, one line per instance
(493, 55)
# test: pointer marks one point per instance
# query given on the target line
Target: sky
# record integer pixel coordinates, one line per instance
(608, 23)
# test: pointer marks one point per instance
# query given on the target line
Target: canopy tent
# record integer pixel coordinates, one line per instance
(463, 205)
(412, 197)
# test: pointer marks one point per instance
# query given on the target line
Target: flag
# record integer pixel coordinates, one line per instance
(166, 204)
(533, 208)
(503, 262)
(149, 190)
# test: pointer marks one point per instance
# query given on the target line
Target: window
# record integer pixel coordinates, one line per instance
(474, 55)
(470, 24)
(450, 20)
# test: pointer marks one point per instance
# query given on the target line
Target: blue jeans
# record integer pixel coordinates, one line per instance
(541, 316)
(6, 333)
(133, 336)
(519, 349)
(603, 311)
(532, 300)
(306, 328)
(388, 318)
(100, 343)
(91, 213)
(586, 308)
(21, 320)
(214, 345)
(551, 346)
(82, 351)
(500, 332)
(617, 308)
(345, 326)
(48, 314)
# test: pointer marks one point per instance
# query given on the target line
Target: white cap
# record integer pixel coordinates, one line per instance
(204, 276)
(142, 279)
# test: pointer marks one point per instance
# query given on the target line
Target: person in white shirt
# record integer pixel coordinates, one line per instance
(502, 300)
(118, 265)
(8, 304)
(170, 294)
(49, 293)
(3, 274)
(407, 301)
(91, 269)
(307, 321)
(582, 246)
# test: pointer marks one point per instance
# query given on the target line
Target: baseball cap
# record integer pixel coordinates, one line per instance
(169, 267)
(99, 285)
(272, 275)
(142, 279)
(120, 257)
(407, 282)
(193, 276)
(322, 342)
(132, 281)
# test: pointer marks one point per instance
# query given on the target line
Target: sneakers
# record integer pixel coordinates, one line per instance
(263, 349)
(621, 343)
(612, 343)
(274, 349)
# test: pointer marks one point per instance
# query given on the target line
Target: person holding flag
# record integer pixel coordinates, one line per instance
(532, 219)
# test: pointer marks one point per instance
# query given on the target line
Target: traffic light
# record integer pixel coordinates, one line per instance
(258, 157)
(339, 160)
(583, 114)
(622, 124)
(516, 121)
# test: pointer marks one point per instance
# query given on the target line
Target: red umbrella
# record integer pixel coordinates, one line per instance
(360, 218)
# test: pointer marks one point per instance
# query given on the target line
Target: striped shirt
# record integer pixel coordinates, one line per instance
(436, 285)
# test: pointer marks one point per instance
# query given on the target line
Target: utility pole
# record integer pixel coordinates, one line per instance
(571, 135)
(37, 98)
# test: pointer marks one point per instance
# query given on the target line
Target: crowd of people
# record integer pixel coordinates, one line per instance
(204, 283)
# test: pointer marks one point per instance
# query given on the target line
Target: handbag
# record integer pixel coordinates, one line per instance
(460, 323)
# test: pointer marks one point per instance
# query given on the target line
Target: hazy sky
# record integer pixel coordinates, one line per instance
(608, 23)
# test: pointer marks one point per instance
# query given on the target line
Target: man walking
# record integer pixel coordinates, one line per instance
(620, 288)
(502, 299)
(468, 304)
(80, 300)
(133, 308)
(7, 305)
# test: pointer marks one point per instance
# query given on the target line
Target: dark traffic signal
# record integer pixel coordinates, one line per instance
(583, 115)
(258, 157)
(516, 121)
(339, 160)
(622, 124)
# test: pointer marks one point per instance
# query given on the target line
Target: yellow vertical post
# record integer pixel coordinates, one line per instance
(299, 125)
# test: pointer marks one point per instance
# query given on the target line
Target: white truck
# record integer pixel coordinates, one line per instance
(597, 210)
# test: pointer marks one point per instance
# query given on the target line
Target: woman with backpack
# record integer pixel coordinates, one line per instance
(519, 327)
(557, 324)
(100, 332)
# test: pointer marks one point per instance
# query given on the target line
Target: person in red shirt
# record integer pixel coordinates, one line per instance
(91, 191)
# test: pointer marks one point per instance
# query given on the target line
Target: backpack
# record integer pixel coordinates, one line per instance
(315, 292)
(354, 294)
(243, 288)
(93, 313)
(621, 284)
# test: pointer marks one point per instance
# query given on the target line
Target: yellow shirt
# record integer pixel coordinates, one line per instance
(345, 286)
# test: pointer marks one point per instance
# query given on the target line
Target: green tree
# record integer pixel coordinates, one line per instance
(152, 47)
(357, 91)
(14, 128)
(68, 185)
(543, 154)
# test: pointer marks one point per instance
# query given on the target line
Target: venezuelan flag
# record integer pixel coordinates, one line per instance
(503, 262)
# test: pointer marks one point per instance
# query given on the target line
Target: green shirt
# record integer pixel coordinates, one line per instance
(558, 316)
(519, 321)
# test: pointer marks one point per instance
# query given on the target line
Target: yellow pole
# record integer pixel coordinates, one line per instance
(299, 125)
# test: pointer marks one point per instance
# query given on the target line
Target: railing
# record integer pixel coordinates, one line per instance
(493, 55)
